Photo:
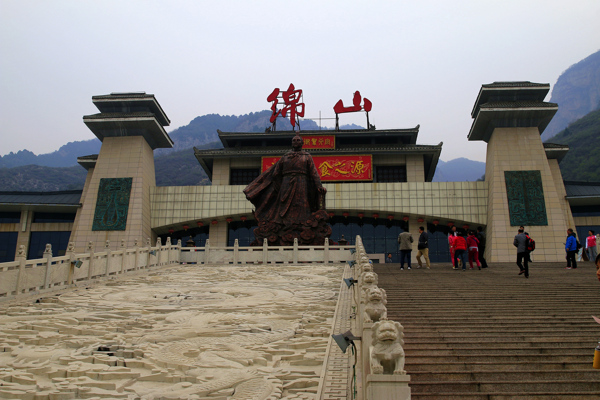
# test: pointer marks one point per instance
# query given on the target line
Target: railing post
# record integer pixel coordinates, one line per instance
(90, 249)
(22, 257)
(123, 254)
(295, 252)
(236, 252)
(206, 251)
(265, 251)
(108, 256)
(158, 251)
(149, 244)
(136, 244)
(71, 253)
(168, 246)
(326, 251)
(48, 257)
(179, 252)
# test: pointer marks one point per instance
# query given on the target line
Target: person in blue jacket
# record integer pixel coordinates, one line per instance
(571, 249)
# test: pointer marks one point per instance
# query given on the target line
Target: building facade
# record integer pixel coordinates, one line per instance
(379, 182)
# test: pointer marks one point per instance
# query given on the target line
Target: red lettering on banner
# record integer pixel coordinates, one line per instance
(336, 168)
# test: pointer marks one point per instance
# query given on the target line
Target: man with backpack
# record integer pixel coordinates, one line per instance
(520, 243)
(571, 247)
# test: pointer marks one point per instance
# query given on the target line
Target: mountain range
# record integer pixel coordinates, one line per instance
(577, 92)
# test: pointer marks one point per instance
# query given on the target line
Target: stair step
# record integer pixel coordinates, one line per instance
(556, 387)
(500, 375)
(593, 395)
(494, 335)
(495, 365)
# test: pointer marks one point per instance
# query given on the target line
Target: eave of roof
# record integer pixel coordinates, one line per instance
(431, 152)
(88, 162)
(136, 98)
(59, 198)
(510, 115)
(411, 134)
(511, 91)
(556, 151)
(129, 124)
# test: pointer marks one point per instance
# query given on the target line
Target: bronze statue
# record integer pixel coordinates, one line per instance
(290, 201)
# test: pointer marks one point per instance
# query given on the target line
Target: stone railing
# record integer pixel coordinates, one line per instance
(24, 276)
(380, 351)
(265, 254)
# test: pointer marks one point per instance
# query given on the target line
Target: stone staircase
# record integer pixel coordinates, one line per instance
(492, 334)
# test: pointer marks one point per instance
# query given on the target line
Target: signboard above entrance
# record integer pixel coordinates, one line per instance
(336, 168)
(318, 141)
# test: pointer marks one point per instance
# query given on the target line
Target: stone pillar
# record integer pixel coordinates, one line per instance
(120, 157)
(24, 230)
(521, 149)
(218, 234)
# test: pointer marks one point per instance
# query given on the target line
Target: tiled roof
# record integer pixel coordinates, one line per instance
(90, 157)
(519, 104)
(137, 114)
(67, 197)
(555, 146)
(275, 150)
(582, 189)
(514, 84)
(140, 95)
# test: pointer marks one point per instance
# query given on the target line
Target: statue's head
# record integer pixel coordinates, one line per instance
(297, 142)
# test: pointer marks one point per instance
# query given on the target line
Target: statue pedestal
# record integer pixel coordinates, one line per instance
(388, 387)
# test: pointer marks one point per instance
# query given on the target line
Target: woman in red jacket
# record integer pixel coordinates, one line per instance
(473, 246)
(460, 248)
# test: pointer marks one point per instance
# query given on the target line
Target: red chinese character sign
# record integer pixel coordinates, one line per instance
(355, 107)
(336, 168)
(291, 100)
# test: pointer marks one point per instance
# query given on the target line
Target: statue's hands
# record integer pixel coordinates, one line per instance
(322, 190)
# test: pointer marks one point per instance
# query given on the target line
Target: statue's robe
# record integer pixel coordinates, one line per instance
(287, 193)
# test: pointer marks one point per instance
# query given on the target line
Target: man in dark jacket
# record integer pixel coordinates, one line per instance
(423, 248)
(520, 243)
(481, 237)
(571, 249)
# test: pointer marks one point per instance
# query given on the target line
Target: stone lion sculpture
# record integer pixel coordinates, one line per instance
(368, 280)
(375, 310)
(387, 354)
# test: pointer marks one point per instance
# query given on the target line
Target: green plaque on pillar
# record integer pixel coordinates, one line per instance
(112, 204)
(525, 192)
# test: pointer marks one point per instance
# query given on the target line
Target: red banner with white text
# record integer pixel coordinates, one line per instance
(336, 168)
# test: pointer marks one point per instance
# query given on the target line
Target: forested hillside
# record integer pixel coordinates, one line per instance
(582, 162)
(577, 93)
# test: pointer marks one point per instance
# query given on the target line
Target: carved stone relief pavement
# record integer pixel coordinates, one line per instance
(187, 332)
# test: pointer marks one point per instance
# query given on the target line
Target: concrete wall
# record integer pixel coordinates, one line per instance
(460, 202)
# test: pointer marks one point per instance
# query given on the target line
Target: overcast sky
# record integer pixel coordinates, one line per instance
(418, 62)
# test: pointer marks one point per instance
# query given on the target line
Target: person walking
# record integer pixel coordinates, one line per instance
(423, 248)
(473, 246)
(571, 249)
(598, 266)
(451, 238)
(520, 243)
(481, 237)
(460, 249)
(590, 245)
(405, 239)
